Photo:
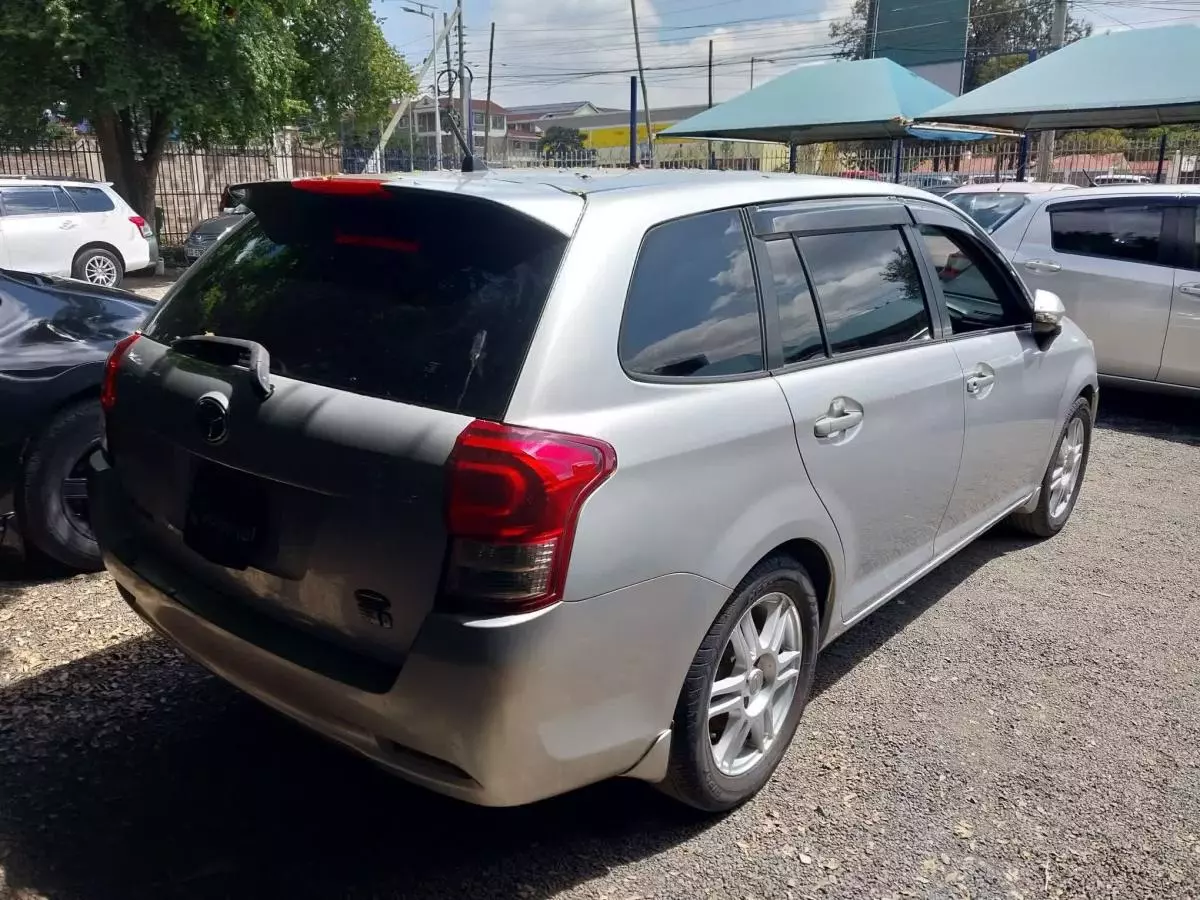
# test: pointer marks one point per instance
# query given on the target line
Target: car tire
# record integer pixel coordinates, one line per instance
(1069, 462)
(47, 526)
(95, 262)
(694, 775)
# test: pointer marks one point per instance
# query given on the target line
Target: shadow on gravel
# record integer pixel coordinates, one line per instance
(1157, 415)
(857, 645)
(132, 774)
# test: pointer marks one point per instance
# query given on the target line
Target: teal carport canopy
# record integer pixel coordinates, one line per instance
(1123, 79)
(870, 99)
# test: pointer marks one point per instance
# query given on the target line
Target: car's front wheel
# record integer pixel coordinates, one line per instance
(51, 500)
(1063, 477)
(746, 689)
(98, 266)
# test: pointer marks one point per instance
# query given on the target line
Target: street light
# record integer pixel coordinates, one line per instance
(437, 102)
(760, 59)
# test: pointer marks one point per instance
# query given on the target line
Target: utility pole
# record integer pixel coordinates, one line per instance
(1058, 37)
(487, 113)
(712, 159)
(464, 92)
(637, 43)
(752, 73)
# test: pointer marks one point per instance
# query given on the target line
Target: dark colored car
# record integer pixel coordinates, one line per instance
(205, 233)
(55, 335)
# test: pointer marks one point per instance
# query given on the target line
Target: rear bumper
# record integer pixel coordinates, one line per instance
(499, 711)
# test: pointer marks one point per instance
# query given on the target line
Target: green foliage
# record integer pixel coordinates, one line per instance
(206, 70)
(561, 142)
(997, 29)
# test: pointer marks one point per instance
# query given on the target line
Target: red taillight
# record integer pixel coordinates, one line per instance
(108, 389)
(137, 220)
(141, 225)
(345, 187)
(514, 499)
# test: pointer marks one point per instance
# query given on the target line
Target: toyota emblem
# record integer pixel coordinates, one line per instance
(213, 418)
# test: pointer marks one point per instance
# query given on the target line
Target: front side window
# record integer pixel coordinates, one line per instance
(1129, 233)
(692, 308)
(868, 288)
(977, 295)
(34, 200)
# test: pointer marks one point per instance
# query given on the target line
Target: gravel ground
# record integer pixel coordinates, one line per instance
(1025, 722)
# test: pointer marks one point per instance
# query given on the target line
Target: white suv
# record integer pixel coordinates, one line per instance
(63, 226)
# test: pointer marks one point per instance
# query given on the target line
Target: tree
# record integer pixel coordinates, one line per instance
(205, 71)
(561, 142)
(995, 28)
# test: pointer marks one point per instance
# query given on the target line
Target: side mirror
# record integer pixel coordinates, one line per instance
(1048, 312)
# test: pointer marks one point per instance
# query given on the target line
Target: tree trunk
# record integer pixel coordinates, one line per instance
(133, 178)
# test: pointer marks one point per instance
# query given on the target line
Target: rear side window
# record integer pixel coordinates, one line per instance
(34, 200)
(1130, 233)
(868, 288)
(799, 328)
(88, 199)
(425, 299)
(692, 307)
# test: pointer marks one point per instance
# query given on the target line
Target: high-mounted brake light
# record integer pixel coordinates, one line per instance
(376, 242)
(514, 500)
(344, 187)
(108, 388)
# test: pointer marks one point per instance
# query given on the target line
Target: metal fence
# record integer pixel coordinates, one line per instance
(190, 180)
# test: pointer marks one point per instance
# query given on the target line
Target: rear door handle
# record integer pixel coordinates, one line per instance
(1192, 290)
(1042, 265)
(837, 421)
(67, 225)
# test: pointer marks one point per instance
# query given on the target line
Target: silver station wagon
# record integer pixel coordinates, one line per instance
(517, 482)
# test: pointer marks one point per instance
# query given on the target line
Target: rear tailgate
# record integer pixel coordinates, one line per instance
(391, 319)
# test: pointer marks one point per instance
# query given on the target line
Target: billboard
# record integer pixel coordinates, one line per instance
(927, 36)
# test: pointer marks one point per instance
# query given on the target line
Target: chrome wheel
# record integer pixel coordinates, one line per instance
(100, 270)
(1065, 476)
(755, 684)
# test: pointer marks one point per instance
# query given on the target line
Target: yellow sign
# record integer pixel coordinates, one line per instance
(603, 138)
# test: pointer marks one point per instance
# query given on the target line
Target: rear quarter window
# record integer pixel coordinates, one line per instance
(425, 299)
(89, 199)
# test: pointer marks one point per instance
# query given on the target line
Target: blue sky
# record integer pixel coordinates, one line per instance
(545, 47)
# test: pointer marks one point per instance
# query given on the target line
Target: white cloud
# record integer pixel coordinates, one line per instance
(540, 48)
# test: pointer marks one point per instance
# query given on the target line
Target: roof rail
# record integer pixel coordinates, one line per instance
(27, 177)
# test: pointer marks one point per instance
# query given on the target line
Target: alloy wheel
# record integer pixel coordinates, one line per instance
(100, 270)
(1065, 476)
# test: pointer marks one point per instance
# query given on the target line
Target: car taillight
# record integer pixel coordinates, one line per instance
(514, 499)
(141, 225)
(108, 389)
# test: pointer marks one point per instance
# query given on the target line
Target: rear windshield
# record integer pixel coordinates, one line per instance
(989, 210)
(425, 299)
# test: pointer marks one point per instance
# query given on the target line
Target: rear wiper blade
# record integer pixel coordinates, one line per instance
(215, 348)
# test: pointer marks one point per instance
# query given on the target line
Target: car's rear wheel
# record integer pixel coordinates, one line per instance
(51, 500)
(746, 689)
(98, 266)
(1063, 478)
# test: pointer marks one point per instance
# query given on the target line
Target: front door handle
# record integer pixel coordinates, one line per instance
(983, 376)
(1192, 290)
(839, 418)
(1042, 265)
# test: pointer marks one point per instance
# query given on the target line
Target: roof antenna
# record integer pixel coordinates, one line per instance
(469, 162)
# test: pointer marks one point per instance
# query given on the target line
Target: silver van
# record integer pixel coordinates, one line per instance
(517, 482)
(1126, 262)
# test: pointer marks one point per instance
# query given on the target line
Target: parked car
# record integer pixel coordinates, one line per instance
(935, 182)
(585, 498)
(1124, 260)
(55, 335)
(1109, 180)
(72, 227)
(207, 232)
(991, 204)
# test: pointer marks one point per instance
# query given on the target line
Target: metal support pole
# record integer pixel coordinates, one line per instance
(464, 89)
(1058, 36)
(633, 141)
(1162, 157)
(712, 157)
(1023, 152)
(897, 159)
(487, 114)
(792, 157)
(637, 44)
